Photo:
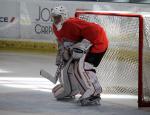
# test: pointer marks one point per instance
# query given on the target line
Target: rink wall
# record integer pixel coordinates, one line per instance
(27, 45)
(28, 22)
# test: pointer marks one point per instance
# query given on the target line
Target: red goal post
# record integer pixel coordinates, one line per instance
(80, 14)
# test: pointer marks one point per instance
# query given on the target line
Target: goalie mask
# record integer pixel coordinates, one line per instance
(59, 15)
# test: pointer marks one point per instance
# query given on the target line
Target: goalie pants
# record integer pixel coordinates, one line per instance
(94, 58)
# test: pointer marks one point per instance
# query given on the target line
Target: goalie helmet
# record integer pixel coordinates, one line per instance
(60, 11)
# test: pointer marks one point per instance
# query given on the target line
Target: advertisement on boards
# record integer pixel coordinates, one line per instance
(9, 19)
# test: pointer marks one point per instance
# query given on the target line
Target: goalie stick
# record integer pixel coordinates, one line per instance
(50, 77)
(80, 51)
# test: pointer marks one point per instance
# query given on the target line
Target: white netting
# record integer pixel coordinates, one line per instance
(118, 71)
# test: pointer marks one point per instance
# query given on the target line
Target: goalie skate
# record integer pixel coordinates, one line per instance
(93, 100)
(67, 98)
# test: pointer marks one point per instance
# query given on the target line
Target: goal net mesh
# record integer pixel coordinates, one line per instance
(118, 71)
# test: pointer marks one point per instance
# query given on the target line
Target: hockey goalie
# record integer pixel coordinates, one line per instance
(81, 46)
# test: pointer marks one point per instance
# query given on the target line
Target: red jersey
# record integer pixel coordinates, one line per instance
(75, 29)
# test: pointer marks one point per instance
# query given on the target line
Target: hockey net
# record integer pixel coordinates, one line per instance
(124, 69)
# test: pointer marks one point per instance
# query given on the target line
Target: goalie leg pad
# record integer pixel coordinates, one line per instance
(87, 80)
(68, 87)
(84, 84)
(91, 72)
(57, 91)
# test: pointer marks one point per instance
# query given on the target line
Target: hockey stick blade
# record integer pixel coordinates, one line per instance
(48, 76)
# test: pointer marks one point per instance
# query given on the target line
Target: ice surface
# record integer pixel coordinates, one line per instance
(24, 92)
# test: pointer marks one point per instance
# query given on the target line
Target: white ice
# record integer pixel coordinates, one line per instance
(24, 92)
